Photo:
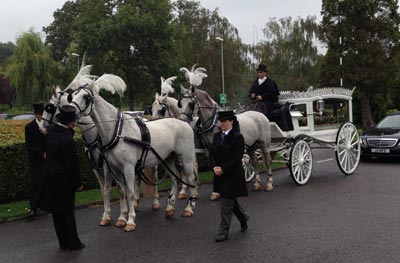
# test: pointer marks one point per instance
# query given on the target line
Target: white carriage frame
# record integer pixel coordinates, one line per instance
(294, 146)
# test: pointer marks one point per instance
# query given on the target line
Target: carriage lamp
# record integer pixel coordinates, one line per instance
(320, 106)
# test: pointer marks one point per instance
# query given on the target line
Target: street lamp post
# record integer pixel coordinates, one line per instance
(77, 56)
(222, 69)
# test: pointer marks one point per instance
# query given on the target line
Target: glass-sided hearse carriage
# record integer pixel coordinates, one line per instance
(314, 118)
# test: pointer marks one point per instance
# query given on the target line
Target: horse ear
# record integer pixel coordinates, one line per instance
(156, 96)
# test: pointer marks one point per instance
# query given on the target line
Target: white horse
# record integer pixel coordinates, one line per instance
(124, 147)
(254, 126)
(99, 167)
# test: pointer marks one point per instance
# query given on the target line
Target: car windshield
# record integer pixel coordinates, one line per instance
(392, 121)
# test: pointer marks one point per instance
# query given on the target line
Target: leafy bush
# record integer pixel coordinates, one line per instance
(14, 167)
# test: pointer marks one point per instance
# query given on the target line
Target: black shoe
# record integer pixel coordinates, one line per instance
(82, 246)
(220, 238)
(244, 226)
(31, 215)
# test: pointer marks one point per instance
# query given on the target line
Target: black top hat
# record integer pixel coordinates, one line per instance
(226, 115)
(67, 114)
(38, 107)
(262, 67)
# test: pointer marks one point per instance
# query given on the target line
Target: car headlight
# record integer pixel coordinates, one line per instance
(364, 141)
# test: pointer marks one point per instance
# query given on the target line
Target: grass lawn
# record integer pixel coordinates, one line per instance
(19, 209)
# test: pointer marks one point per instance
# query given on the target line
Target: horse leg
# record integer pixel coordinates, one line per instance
(190, 175)
(106, 217)
(130, 178)
(123, 205)
(170, 210)
(254, 163)
(268, 165)
(156, 202)
(136, 198)
(182, 193)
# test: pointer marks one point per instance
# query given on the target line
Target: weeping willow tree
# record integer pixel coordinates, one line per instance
(31, 69)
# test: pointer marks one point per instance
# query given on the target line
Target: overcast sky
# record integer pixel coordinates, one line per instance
(248, 16)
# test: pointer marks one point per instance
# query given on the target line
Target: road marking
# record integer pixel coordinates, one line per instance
(326, 160)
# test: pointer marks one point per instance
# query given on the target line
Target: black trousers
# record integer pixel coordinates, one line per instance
(66, 231)
(229, 207)
(36, 191)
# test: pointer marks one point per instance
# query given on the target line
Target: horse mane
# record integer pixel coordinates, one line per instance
(205, 97)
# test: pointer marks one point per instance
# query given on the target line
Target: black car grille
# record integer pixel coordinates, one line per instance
(382, 143)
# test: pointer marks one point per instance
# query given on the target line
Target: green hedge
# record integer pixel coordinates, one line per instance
(14, 172)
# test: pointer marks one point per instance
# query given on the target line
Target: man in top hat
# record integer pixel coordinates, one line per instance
(226, 162)
(34, 141)
(62, 178)
(264, 91)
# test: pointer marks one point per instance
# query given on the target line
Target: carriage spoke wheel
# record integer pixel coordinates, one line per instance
(348, 148)
(300, 162)
(249, 172)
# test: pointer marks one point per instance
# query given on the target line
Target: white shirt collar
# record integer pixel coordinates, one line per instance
(261, 81)
(37, 121)
(226, 132)
(62, 125)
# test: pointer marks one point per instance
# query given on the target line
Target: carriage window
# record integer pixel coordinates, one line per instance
(335, 112)
(300, 110)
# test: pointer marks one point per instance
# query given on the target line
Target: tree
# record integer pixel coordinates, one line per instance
(370, 36)
(31, 68)
(290, 52)
(6, 50)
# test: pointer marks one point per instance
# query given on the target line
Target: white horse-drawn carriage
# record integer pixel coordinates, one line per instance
(313, 118)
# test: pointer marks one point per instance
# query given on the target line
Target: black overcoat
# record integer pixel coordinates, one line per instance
(61, 175)
(229, 157)
(35, 146)
(269, 92)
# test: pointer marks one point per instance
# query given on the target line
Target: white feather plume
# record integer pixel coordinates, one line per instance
(195, 76)
(111, 83)
(83, 77)
(166, 85)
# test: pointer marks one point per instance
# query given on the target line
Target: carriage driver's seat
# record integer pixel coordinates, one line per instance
(281, 116)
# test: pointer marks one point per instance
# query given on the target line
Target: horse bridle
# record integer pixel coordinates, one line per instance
(51, 109)
(192, 105)
(89, 100)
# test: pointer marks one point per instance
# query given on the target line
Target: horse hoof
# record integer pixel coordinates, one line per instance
(182, 196)
(155, 207)
(130, 227)
(269, 188)
(214, 197)
(120, 223)
(170, 213)
(105, 222)
(256, 188)
(187, 213)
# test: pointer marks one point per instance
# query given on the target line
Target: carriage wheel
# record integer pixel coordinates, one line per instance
(348, 148)
(249, 172)
(300, 162)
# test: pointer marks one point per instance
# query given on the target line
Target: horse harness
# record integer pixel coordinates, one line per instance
(145, 143)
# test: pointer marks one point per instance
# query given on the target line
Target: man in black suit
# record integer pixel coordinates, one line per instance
(62, 178)
(35, 140)
(264, 91)
(226, 162)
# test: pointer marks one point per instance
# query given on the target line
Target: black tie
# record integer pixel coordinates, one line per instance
(222, 138)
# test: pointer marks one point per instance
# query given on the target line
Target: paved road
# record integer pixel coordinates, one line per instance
(334, 218)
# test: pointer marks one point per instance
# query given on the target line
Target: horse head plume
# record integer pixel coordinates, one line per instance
(83, 77)
(195, 76)
(166, 85)
(111, 83)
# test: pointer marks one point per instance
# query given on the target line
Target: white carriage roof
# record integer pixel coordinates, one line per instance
(311, 92)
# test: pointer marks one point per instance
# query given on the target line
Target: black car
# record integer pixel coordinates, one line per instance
(382, 140)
